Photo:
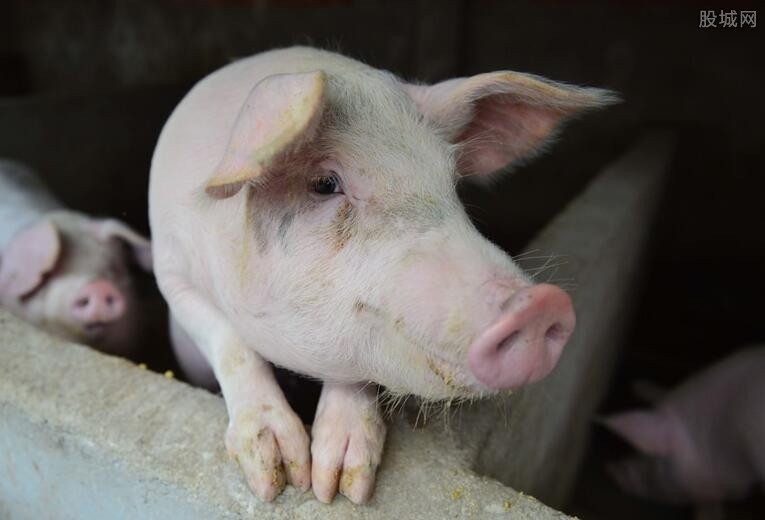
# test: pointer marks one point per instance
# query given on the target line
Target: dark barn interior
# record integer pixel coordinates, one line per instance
(85, 87)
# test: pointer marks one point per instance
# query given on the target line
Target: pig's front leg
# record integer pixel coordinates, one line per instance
(264, 436)
(348, 436)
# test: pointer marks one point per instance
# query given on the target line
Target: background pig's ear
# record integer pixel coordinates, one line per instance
(648, 431)
(141, 248)
(30, 255)
(280, 114)
(502, 117)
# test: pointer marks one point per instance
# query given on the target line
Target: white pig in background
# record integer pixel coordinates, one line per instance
(65, 271)
(304, 213)
(704, 442)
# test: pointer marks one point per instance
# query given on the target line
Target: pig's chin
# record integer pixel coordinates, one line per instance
(434, 377)
(111, 338)
(442, 387)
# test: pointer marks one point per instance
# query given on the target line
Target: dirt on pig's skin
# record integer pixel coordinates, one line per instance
(343, 225)
(231, 362)
(277, 477)
(446, 377)
(351, 475)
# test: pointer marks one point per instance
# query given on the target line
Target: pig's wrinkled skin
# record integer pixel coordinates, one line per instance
(304, 213)
(704, 442)
(65, 271)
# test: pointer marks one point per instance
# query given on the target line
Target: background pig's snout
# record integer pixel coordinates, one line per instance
(98, 303)
(524, 344)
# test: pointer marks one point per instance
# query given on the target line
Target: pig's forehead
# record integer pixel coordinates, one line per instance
(375, 127)
(82, 249)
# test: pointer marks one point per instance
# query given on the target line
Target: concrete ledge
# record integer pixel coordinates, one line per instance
(84, 435)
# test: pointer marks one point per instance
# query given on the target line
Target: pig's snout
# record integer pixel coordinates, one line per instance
(524, 344)
(97, 304)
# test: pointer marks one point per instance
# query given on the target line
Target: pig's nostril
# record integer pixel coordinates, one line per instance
(507, 342)
(555, 333)
(110, 300)
(82, 302)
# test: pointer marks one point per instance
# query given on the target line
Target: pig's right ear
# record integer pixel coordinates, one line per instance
(650, 432)
(280, 115)
(140, 247)
(30, 255)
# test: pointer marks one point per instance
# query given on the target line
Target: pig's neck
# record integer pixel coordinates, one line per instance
(23, 201)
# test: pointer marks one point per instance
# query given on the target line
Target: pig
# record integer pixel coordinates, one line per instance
(65, 271)
(304, 214)
(702, 443)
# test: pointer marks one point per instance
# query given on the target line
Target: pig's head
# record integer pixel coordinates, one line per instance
(70, 274)
(665, 467)
(359, 262)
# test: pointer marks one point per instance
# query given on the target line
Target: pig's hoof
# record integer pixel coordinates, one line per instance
(346, 450)
(271, 447)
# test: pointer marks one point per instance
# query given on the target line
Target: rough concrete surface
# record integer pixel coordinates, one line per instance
(84, 435)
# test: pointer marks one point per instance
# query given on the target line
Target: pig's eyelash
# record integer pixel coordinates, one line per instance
(326, 184)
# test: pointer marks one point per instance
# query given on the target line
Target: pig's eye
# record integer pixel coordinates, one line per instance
(325, 185)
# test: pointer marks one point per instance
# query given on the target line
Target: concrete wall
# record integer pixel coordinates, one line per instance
(85, 435)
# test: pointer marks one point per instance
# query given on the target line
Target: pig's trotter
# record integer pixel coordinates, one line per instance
(270, 445)
(348, 437)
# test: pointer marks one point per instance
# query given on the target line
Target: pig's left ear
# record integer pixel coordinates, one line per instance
(648, 431)
(27, 259)
(140, 247)
(500, 118)
(280, 115)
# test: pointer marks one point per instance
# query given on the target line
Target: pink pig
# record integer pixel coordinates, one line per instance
(304, 213)
(64, 271)
(704, 442)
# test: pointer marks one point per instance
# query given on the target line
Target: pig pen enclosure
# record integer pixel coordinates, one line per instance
(84, 91)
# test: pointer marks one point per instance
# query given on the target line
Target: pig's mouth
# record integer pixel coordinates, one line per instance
(453, 376)
(95, 329)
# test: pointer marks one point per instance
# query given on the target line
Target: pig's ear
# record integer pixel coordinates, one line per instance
(107, 229)
(500, 118)
(648, 431)
(29, 256)
(280, 114)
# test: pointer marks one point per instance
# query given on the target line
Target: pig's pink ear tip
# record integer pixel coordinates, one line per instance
(525, 343)
(29, 256)
(649, 431)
